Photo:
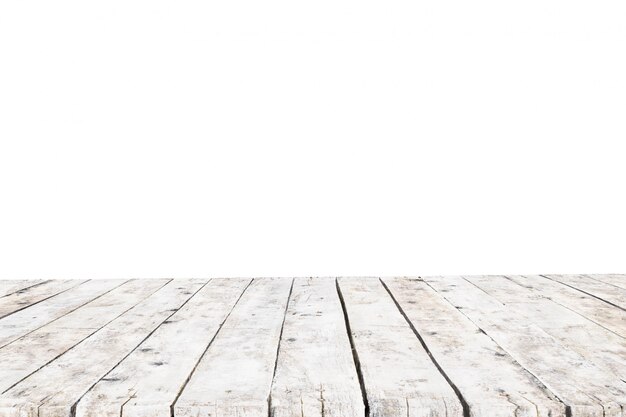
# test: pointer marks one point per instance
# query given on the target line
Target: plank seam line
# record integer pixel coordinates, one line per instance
(466, 409)
(540, 384)
(67, 313)
(567, 308)
(193, 370)
(26, 288)
(355, 354)
(85, 338)
(599, 281)
(483, 290)
(73, 408)
(584, 292)
(280, 338)
(597, 278)
(43, 299)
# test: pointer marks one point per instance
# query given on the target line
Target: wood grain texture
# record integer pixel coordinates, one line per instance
(593, 309)
(399, 377)
(557, 367)
(28, 296)
(10, 286)
(471, 346)
(568, 327)
(595, 286)
(148, 381)
(25, 321)
(234, 377)
(489, 379)
(618, 280)
(26, 355)
(82, 366)
(315, 374)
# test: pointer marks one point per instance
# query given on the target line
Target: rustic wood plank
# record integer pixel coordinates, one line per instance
(577, 382)
(471, 346)
(399, 377)
(590, 285)
(618, 280)
(315, 374)
(25, 321)
(234, 376)
(595, 310)
(27, 354)
(40, 395)
(568, 327)
(28, 296)
(10, 286)
(147, 382)
(490, 380)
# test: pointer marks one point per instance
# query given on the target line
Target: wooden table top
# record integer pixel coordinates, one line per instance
(459, 346)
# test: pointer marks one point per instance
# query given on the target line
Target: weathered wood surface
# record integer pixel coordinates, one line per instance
(568, 327)
(400, 378)
(9, 287)
(490, 380)
(604, 287)
(82, 366)
(148, 381)
(514, 346)
(23, 298)
(581, 385)
(599, 312)
(617, 280)
(234, 377)
(35, 350)
(29, 319)
(315, 373)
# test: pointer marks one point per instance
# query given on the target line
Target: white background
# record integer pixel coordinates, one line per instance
(256, 138)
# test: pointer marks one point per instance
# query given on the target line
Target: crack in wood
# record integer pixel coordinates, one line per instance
(355, 355)
(466, 410)
(280, 338)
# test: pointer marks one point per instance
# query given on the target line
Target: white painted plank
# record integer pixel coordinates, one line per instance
(399, 377)
(234, 376)
(601, 346)
(41, 395)
(28, 296)
(572, 378)
(27, 354)
(10, 286)
(148, 381)
(589, 284)
(618, 280)
(315, 374)
(25, 321)
(491, 382)
(595, 310)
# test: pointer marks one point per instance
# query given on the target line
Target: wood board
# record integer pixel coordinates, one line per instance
(536, 346)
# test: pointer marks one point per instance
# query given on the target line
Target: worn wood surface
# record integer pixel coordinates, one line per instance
(315, 373)
(400, 378)
(568, 327)
(594, 309)
(471, 346)
(234, 376)
(604, 287)
(490, 380)
(616, 280)
(149, 380)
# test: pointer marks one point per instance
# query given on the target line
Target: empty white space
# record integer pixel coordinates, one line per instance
(151, 138)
